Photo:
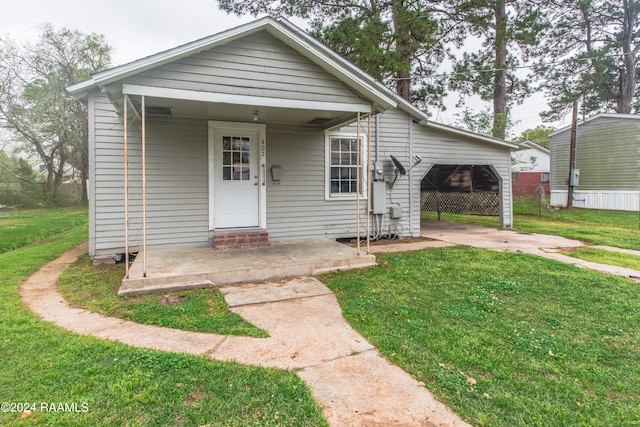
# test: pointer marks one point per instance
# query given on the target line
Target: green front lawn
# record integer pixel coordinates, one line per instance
(20, 228)
(604, 256)
(504, 339)
(121, 385)
(202, 310)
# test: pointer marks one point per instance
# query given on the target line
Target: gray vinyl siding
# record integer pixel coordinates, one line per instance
(177, 187)
(392, 128)
(296, 207)
(107, 199)
(257, 65)
(394, 139)
(606, 155)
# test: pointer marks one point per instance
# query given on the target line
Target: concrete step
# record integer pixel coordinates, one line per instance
(241, 239)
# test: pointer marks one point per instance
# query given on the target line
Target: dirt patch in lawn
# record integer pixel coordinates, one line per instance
(172, 299)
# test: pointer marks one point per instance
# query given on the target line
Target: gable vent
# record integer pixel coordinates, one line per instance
(159, 111)
(320, 121)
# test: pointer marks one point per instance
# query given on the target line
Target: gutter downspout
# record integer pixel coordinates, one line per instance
(377, 117)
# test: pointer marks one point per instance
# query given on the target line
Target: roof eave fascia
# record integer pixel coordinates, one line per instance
(532, 145)
(599, 115)
(81, 90)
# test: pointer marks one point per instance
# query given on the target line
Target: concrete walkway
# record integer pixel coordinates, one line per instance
(512, 241)
(353, 383)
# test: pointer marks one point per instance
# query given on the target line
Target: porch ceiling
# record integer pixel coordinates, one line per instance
(240, 108)
(249, 113)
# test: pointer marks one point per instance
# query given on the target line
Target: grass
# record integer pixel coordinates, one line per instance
(504, 339)
(121, 385)
(20, 228)
(604, 256)
(598, 227)
(201, 310)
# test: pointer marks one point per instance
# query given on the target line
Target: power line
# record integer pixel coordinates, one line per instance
(515, 67)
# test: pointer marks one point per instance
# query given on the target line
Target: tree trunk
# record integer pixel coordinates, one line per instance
(500, 78)
(403, 48)
(403, 85)
(628, 78)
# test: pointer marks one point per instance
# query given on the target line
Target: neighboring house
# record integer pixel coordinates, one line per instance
(607, 163)
(530, 168)
(254, 130)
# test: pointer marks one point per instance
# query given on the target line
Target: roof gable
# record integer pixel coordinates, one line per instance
(257, 65)
(354, 78)
(524, 145)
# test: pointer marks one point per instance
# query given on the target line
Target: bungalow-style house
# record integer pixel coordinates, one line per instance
(261, 130)
(606, 172)
(530, 165)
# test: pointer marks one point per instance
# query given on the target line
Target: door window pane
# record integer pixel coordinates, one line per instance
(236, 158)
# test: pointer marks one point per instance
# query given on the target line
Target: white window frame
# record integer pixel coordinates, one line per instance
(363, 166)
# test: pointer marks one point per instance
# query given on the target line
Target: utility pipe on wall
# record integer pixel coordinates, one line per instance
(377, 118)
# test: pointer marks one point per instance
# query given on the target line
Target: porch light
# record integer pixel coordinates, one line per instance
(255, 116)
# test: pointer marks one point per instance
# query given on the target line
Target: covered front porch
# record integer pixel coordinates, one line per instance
(179, 269)
(260, 159)
(233, 131)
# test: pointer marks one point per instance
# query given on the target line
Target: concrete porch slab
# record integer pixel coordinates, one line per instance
(179, 269)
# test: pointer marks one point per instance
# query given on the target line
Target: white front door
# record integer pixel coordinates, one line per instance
(236, 176)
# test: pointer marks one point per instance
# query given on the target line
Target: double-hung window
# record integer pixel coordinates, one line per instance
(342, 166)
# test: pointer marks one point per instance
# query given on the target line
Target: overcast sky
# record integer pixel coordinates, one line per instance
(138, 28)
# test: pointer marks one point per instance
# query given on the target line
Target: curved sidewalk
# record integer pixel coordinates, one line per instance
(354, 384)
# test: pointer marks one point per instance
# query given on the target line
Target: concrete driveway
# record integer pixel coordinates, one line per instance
(513, 241)
(491, 238)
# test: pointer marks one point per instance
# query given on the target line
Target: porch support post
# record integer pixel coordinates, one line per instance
(126, 185)
(144, 190)
(369, 183)
(359, 177)
(411, 210)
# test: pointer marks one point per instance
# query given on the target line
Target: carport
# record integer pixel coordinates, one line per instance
(461, 189)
